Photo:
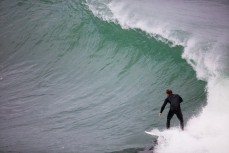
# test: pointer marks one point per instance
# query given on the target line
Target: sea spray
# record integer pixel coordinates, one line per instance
(205, 133)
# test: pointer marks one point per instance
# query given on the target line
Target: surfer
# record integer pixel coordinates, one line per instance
(174, 100)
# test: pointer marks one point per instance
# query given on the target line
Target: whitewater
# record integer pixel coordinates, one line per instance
(202, 28)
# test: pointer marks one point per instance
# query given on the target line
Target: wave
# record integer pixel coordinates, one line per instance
(202, 28)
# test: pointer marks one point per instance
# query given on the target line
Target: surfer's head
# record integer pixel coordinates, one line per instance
(169, 92)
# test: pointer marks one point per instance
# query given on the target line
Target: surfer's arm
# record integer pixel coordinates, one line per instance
(180, 99)
(164, 104)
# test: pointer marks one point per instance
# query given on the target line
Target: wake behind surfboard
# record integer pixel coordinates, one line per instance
(165, 137)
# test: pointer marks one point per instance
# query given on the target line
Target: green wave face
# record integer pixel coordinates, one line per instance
(71, 82)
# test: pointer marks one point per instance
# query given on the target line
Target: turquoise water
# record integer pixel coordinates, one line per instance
(73, 81)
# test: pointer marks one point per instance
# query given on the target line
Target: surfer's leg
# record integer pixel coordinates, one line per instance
(180, 117)
(169, 116)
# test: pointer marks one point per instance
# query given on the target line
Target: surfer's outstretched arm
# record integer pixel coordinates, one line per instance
(163, 106)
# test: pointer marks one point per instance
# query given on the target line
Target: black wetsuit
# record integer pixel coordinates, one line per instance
(174, 101)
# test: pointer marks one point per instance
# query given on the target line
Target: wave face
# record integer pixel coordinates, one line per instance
(202, 28)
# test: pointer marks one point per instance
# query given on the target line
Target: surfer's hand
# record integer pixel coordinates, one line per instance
(160, 114)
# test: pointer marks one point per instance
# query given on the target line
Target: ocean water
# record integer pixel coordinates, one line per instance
(86, 76)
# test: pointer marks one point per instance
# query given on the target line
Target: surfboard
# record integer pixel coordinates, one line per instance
(157, 135)
(151, 133)
(150, 148)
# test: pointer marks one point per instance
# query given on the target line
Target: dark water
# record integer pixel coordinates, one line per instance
(71, 82)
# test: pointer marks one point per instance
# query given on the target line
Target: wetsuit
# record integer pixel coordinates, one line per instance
(174, 101)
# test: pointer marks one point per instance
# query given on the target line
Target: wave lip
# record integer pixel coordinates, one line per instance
(203, 35)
